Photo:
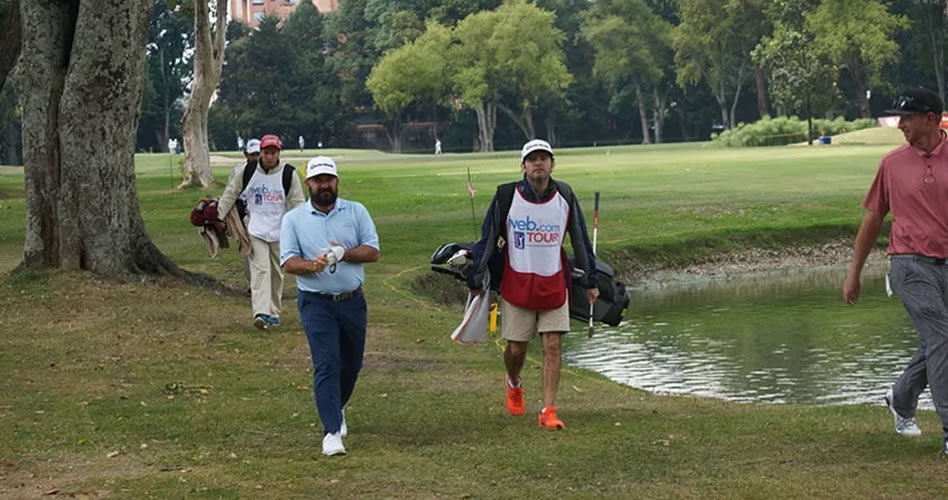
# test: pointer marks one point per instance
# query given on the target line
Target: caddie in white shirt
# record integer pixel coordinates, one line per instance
(266, 200)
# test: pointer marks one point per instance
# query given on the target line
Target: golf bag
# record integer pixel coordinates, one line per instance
(454, 259)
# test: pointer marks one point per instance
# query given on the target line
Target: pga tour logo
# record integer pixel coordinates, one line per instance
(528, 232)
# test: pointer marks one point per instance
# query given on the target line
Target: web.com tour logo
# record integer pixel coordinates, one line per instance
(263, 194)
(528, 232)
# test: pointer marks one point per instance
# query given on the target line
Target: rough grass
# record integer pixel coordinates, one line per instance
(160, 390)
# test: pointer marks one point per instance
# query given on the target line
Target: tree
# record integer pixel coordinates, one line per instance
(474, 73)
(631, 44)
(208, 61)
(531, 62)
(167, 69)
(411, 74)
(857, 35)
(712, 44)
(802, 76)
(80, 93)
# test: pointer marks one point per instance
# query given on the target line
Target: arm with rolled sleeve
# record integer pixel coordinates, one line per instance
(231, 193)
(367, 249)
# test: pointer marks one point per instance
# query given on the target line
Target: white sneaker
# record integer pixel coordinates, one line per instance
(343, 429)
(332, 445)
(903, 426)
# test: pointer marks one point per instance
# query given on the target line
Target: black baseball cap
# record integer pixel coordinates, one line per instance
(914, 101)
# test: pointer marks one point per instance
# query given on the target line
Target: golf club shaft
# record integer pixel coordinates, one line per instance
(595, 237)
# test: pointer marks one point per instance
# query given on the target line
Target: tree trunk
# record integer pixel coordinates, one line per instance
(486, 122)
(393, 132)
(763, 109)
(208, 61)
(524, 121)
(10, 37)
(551, 131)
(643, 113)
(82, 89)
(854, 72)
(737, 95)
(658, 112)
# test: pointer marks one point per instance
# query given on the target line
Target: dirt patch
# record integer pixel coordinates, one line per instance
(440, 288)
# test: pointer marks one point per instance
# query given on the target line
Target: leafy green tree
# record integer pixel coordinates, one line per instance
(413, 74)
(801, 74)
(474, 73)
(858, 36)
(713, 44)
(531, 62)
(632, 45)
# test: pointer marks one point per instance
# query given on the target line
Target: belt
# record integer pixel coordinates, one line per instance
(342, 297)
(938, 261)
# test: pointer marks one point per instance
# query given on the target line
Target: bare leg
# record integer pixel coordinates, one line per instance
(514, 355)
(552, 342)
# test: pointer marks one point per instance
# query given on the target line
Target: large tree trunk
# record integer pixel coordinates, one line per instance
(643, 113)
(486, 123)
(10, 37)
(551, 131)
(81, 94)
(208, 61)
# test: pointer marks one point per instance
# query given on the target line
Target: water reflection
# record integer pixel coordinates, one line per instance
(776, 338)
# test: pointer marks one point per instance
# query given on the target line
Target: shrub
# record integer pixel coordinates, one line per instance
(784, 130)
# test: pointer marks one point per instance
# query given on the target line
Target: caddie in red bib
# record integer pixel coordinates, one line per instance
(533, 216)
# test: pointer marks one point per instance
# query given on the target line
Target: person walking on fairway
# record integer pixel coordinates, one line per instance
(301, 142)
(912, 183)
(251, 155)
(324, 243)
(266, 200)
(533, 216)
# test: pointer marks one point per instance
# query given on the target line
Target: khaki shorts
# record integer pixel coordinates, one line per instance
(520, 325)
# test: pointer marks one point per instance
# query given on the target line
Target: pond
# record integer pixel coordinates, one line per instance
(782, 337)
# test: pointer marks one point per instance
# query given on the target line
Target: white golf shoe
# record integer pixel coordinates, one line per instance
(903, 426)
(332, 445)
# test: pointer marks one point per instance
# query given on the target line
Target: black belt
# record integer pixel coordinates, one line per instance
(938, 261)
(342, 297)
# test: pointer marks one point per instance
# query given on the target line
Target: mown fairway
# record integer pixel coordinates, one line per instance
(161, 390)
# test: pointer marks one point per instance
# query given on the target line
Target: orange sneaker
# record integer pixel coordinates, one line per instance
(548, 419)
(514, 399)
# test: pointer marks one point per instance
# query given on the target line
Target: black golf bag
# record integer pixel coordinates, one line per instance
(454, 260)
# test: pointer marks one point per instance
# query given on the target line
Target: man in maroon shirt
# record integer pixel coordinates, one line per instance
(912, 183)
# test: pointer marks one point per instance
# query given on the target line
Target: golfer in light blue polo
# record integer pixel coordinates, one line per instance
(324, 243)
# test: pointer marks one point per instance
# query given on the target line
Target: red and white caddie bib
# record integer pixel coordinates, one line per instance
(534, 275)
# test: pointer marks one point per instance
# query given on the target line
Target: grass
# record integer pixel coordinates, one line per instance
(159, 390)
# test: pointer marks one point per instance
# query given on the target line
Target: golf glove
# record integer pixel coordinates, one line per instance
(334, 255)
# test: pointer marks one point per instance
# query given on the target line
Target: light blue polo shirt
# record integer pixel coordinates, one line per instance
(307, 232)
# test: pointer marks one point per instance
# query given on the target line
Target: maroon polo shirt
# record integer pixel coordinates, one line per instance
(913, 185)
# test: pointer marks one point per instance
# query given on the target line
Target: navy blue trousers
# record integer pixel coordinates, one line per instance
(336, 335)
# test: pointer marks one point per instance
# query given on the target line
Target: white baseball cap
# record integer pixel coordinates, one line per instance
(253, 146)
(321, 165)
(535, 145)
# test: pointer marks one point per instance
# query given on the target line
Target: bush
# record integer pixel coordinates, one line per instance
(784, 130)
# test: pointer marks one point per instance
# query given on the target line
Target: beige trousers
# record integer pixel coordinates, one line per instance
(266, 277)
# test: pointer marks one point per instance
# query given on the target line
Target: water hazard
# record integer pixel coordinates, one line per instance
(776, 338)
